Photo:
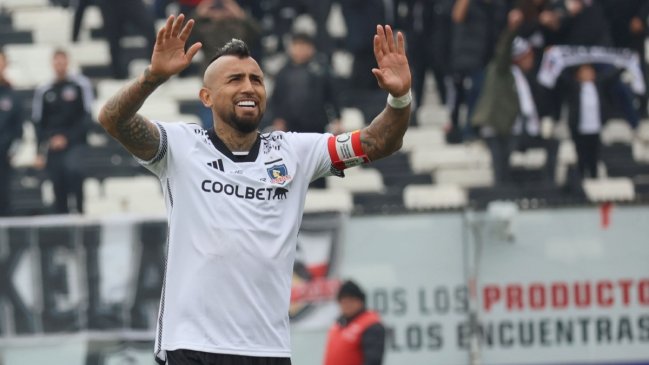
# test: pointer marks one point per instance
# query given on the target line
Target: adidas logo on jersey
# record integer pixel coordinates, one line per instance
(218, 164)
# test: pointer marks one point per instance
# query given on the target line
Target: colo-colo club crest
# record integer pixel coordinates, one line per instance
(278, 174)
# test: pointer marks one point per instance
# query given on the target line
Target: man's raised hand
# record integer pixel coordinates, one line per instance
(169, 56)
(393, 72)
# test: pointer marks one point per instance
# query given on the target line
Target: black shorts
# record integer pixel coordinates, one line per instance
(190, 357)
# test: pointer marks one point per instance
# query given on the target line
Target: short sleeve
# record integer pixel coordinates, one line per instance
(312, 152)
(158, 164)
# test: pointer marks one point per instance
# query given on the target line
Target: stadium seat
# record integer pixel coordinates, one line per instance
(421, 138)
(50, 25)
(609, 189)
(432, 116)
(29, 64)
(358, 180)
(458, 156)
(418, 197)
(533, 158)
(328, 200)
(24, 4)
(643, 131)
(139, 194)
(567, 154)
(466, 178)
(616, 131)
(351, 119)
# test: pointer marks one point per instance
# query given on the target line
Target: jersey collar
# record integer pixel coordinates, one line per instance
(221, 147)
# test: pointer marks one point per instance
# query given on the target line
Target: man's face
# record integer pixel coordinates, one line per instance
(60, 65)
(526, 61)
(301, 52)
(349, 306)
(234, 89)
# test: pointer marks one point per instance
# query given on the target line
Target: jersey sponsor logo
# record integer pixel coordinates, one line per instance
(218, 164)
(244, 192)
(278, 174)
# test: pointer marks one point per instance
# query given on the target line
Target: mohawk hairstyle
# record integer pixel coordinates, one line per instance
(235, 47)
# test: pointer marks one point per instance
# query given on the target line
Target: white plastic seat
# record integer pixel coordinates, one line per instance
(351, 119)
(422, 138)
(466, 178)
(533, 158)
(328, 200)
(52, 25)
(609, 189)
(90, 53)
(139, 194)
(567, 154)
(358, 180)
(434, 197)
(616, 131)
(455, 156)
(430, 115)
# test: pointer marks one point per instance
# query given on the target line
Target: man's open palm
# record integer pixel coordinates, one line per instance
(169, 56)
(393, 72)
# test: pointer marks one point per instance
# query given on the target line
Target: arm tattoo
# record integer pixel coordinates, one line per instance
(384, 135)
(119, 118)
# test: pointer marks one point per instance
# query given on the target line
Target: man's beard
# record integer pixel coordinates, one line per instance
(243, 125)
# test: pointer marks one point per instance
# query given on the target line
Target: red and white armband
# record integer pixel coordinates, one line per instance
(346, 150)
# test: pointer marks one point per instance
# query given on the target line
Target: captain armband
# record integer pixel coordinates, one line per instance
(346, 150)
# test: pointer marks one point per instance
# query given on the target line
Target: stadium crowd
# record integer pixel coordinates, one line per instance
(508, 73)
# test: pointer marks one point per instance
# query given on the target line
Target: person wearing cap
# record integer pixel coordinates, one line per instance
(510, 106)
(357, 337)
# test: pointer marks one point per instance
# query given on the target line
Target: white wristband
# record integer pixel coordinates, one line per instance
(400, 102)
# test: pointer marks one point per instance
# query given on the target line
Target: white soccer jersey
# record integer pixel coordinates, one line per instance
(233, 225)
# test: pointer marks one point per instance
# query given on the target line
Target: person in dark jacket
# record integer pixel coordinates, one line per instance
(117, 14)
(357, 337)
(476, 27)
(584, 89)
(511, 104)
(304, 99)
(61, 113)
(11, 129)
(427, 24)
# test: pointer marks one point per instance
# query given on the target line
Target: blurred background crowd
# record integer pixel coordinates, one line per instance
(538, 101)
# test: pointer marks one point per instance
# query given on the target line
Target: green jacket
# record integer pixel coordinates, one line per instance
(498, 104)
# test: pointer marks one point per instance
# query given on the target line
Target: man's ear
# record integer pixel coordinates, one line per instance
(204, 95)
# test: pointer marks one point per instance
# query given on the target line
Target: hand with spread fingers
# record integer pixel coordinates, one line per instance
(169, 56)
(393, 72)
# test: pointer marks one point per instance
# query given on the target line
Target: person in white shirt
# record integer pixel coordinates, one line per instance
(235, 197)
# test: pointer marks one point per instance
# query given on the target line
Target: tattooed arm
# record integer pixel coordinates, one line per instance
(384, 135)
(119, 115)
(134, 131)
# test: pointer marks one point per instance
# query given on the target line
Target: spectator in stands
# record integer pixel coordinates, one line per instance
(61, 111)
(304, 96)
(510, 105)
(361, 18)
(187, 7)
(11, 130)
(427, 25)
(583, 89)
(117, 14)
(218, 21)
(79, 9)
(357, 337)
(577, 22)
(476, 26)
(628, 21)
